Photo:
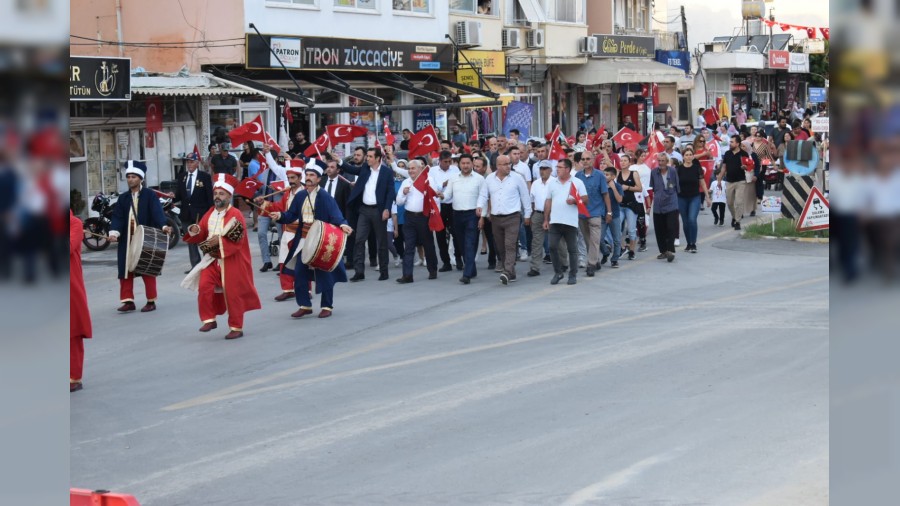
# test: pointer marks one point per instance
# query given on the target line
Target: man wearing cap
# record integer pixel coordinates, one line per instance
(226, 278)
(223, 162)
(309, 205)
(137, 206)
(195, 193)
(295, 177)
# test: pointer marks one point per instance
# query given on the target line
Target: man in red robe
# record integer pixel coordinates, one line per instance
(79, 316)
(226, 272)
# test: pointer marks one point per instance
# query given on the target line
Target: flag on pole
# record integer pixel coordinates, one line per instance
(388, 136)
(573, 192)
(430, 208)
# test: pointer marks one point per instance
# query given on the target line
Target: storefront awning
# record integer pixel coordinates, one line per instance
(202, 85)
(260, 88)
(505, 96)
(620, 71)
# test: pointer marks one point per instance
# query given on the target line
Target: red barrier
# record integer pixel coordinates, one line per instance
(82, 497)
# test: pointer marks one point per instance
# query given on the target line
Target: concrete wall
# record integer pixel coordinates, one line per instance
(161, 21)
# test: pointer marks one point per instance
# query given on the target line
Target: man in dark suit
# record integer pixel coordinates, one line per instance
(195, 192)
(336, 186)
(137, 206)
(373, 194)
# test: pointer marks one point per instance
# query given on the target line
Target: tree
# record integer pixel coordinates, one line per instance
(818, 67)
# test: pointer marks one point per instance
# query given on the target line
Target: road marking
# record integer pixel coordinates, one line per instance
(616, 480)
(245, 389)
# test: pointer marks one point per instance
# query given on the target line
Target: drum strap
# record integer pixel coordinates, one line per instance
(305, 230)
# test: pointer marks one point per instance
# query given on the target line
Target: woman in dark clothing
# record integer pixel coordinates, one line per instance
(692, 182)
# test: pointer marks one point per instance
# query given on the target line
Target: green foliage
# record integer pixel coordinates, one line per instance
(818, 64)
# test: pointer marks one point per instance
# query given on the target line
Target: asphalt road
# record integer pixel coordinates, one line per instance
(704, 381)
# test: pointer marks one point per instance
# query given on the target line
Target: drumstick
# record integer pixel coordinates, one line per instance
(97, 235)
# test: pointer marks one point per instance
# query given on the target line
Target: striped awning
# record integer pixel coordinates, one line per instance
(202, 85)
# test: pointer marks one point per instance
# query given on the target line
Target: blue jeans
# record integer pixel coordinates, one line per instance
(465, 225)
(262, 234)
(689, 208)
(613, 230)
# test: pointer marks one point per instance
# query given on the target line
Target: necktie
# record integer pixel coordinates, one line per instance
(190, 187)
(330, 183)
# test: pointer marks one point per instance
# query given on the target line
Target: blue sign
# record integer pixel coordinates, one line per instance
(519, 115)
(423, 118)
(430, 65)
(818, 95)
(678, 59)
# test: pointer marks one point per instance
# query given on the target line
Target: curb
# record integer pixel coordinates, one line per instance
(813, 240)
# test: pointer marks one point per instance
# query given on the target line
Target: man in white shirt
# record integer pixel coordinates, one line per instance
(508, 196)
(464, 190)
(561, 218)
(415, 225)
(521, 168)
(669, 143)
(699, 121)
(440, 175)
(688, 138)
(536, 222)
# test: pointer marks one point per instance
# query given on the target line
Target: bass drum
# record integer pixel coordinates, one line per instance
(147, 251)
(324, 246)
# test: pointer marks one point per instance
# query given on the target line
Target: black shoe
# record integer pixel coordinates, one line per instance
(693, 248)
(661, 256)
(383, 276)
(589, 271)
(504, 279)
(404, 280)
(604, 259)
(464, 280)
(670, 256)
(614, 264)
(547, 260)
(737, 226)
(752, 213)
(571, 280)
(445, 268)
(266, 267)
(556, 278)
(357, 277)
(687, 248)
(733, 223)
(643, 247)
(432, 275)
(532, 273)
(631, 255)
(373, 262)
(492, 266)
(459, 266)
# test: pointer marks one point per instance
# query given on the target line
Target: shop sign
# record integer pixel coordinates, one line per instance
(799, 63)
(468, 77)
(625, 46)
(423, 118)
(324, 53)
(677, 59)
(97, 78)
(491, 63)
(779, 59)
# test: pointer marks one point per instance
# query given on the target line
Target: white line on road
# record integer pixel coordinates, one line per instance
(616, 480)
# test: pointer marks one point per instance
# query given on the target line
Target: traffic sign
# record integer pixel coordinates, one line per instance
(815, 212)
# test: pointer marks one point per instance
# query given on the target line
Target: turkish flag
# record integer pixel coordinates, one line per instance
(345, 133)
(655, 88)
(784, 27)
(288, 116)
(247, 188)
(154, 115)
(654, 147)
(711, 116)
(252, 131)
(277, 185)
(262, 164)
(556, 149)
(388, 136)
(150, 140)
(573, 192)
(424, 141)
(826, 33)
(811, 32)
(713, 148)
(321, 144)
(429, 206)
(598, 137)
(627, 137)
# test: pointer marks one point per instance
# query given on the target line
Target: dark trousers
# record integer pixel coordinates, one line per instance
(491, 246)
(466, 232)
(666, 226)
(718, 210)
(369, 221)
(642, 227)
(846, 230)
(194, 254)
(353, 217)
(397, 242)
(568, 233)
(416, 233)
(302, 276)
(445, 236)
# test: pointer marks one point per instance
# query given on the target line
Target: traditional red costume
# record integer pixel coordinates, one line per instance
(79, 316)
(226, 284)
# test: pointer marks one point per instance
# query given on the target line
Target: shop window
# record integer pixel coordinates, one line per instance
(684, 108)
(370, 5)
(482, 7)
(221, 121)
(417, 6)
(565, 11)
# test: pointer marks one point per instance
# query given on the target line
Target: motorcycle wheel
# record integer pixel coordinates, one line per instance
(176, 233)
(99, 227)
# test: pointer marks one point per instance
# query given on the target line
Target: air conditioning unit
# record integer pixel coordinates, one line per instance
(587, 45)
(468, 33)
(510, 38)
(534, 39)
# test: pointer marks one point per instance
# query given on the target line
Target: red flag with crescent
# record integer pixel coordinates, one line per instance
(654, 147)
(423, 142)
(252, 131)
(388, 135)
(344, 133)
(430, 208)
(556, 149)
(154, 115)
(573, 192)
(247, 188)
(321, 144)
(627, 137)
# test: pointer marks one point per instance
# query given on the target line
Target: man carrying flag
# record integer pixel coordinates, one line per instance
(417, 194)
(592, 216)
(561, 217)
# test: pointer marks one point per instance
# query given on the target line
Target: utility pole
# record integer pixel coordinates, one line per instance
(684, 28)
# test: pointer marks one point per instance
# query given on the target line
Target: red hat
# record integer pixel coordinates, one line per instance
(294, 166)
(226, 182)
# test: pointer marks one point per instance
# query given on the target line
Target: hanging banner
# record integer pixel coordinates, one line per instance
(519, 115)
(677, 59)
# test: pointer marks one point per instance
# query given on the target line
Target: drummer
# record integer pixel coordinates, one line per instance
(308, 206)
(137, 206)
(295, 180)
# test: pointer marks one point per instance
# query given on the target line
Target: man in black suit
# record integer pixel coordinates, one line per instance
(373, 194)
(195, 192)
(336, 186)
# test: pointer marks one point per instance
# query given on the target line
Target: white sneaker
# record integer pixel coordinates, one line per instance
(397, 262)
(419, 262)
(677, 242)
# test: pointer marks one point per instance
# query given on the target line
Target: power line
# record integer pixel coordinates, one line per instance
(202, 43)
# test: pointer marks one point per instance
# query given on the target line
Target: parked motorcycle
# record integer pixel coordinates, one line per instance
(97, 228)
